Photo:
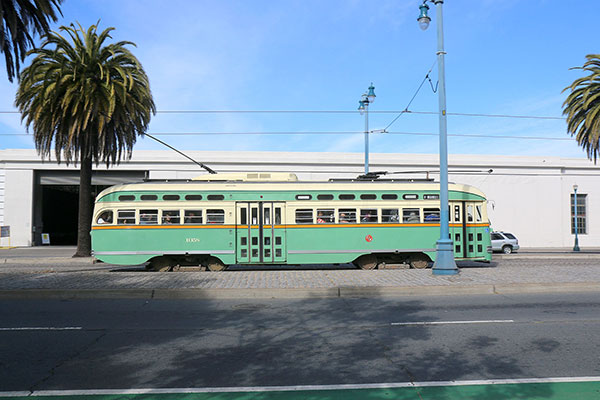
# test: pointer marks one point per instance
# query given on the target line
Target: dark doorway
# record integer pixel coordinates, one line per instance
(60, 205)
(56, 201)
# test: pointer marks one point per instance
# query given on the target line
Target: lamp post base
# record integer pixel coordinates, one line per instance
(444, 259)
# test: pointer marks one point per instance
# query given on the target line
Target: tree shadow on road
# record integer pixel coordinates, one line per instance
(241, 343)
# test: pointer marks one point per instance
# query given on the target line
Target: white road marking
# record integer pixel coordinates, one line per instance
(43, 328)
(299, 388)
(489, 321)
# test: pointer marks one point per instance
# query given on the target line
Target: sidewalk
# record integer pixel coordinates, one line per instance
(51, 272)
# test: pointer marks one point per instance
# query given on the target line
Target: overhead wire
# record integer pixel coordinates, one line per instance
(406, 111)
(465, 135)
(414, 95)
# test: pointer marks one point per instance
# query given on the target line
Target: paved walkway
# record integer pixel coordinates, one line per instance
(51, 272)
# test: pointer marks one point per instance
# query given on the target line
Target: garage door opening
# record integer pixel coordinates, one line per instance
(60, 208)
(56, 202)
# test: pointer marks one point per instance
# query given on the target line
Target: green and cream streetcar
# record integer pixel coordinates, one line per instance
(272, 218)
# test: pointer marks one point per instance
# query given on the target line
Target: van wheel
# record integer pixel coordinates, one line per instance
(214, 264)
(506, 249)
(366, 261)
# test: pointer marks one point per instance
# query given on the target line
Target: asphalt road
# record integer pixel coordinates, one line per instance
(115, 344)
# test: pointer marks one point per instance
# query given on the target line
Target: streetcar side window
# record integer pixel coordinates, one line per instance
(457, 214)
(126, 217)
(148, 217)
(470, 213)
(478, 217)
(254, 211)
(431, 214)
(277, 215)
(411, 215)
(170, 217)
(325, 216)
(106, 217)
(215, 216)
(389, 216)
(192, 217)
(304, 216)
(368, 215)
(347, 215)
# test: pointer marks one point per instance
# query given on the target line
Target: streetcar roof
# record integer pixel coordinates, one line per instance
(287, 185)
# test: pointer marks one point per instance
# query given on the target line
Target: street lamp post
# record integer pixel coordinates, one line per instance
(444, 259)
(367, 98)
(576, 246)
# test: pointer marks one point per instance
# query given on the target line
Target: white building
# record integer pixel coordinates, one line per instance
(528, 196)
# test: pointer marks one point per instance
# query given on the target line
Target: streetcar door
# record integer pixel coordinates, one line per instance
(260, 232)
(474, 243)
(457, 229)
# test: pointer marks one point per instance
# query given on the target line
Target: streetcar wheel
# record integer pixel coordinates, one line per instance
(419, 262)
(214, 264)
(507, 249)
(161, 264)
(366, 261)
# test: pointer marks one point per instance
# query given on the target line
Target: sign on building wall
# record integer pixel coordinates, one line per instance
(4, 233)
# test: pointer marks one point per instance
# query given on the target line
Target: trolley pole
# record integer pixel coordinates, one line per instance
(444, 259)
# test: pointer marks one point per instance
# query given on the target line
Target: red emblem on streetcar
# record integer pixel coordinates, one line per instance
(368, 238)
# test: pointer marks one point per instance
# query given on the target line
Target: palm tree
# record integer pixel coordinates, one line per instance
(17, 19)
(91, 100)
(582, 108)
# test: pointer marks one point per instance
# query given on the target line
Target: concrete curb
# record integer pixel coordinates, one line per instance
(546, 256)
(295, 293)
(48, 260)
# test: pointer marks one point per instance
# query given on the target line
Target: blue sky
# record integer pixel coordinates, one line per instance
(504, 57)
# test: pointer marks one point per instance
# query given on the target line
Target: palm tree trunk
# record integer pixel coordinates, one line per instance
(84, 226)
